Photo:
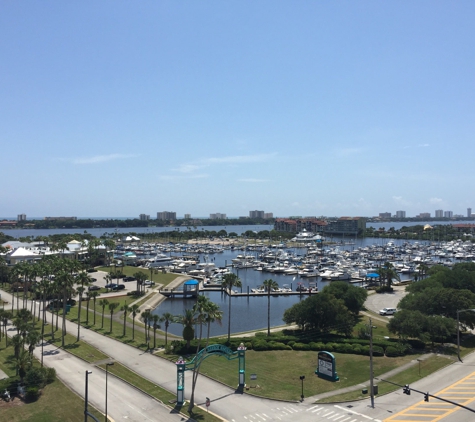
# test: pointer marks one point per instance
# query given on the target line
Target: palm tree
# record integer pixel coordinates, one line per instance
(141, 277)
(32, 338)
(112, 307)
(146, 315)
(125, 308)
(103, 303)
(213, 314)
(167, 318)
(188, 320)
(80, 291)
(229, 281)
(269, 286)
(6, 315)
(134, 310)
(22, 363)
(388, 272)
(88, 300)
(66, 282)
(94, 296)
(155, 319)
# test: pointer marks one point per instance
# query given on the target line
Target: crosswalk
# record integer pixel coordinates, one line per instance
(331, 413)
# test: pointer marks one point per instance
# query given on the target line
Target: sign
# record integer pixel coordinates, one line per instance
(208, 402)
(326, 366)
(253, 377)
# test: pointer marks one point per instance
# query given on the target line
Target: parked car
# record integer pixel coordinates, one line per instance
(148, 283)
(91, 270)
(129, 278)
(92, 279)
(387, 311)
(91, 288)
(119, 287)
(110, 285)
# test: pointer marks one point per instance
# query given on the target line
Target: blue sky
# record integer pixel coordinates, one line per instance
(310, 108)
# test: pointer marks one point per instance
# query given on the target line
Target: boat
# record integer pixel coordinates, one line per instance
(306, 236)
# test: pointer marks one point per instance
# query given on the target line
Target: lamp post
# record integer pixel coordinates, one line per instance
(302, 377)
(371, 382)
(458, 331)
(107, 372)
(86, 413)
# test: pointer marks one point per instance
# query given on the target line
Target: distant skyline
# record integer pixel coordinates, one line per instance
(296, 108)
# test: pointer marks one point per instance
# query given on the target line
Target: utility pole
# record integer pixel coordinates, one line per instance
(371, 383)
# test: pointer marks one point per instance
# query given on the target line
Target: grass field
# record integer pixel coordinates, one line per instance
(56, 403)
(157, 276)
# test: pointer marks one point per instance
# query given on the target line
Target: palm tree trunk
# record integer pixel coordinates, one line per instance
(79, 315)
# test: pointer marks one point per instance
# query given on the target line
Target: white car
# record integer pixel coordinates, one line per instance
(388, 311)
(148, 283)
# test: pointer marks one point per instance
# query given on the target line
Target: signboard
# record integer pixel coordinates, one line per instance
(326, 368)
(253, 377)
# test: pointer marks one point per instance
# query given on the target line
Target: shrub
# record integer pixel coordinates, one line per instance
(32, 394)
(301, 346)
(276, 345)
(260, 346)
(50, 375)
(377, 351)
(314, 346)
(36, 377)
(291, 343)
(248, 345)
(357, 350)
(392, 351)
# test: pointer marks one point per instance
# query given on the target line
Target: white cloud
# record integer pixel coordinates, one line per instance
(102, 158)
(435, 200)
(187, 168)
(240, 159)
(399, 200)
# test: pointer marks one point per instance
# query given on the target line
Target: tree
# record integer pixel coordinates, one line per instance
(146, 315)
(88, 300)
(167, 318)
(134, 310)
(80, 291)
(229, 281)
(213, 314)
(388, 273)
(408, 324)
(94, 295)
(353, 297)
(269, 286)
(141, 277)
(103, 303)
(112, 307)
(188, 320)
(125, 309)
(155, 320)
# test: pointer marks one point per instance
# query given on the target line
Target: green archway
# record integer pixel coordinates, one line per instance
(214, 349)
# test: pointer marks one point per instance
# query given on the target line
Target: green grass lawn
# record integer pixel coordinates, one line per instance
(408, 376)
(278, 372)
(56, 403)
(157, 276)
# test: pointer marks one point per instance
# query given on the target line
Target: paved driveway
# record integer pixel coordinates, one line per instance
(376, 301)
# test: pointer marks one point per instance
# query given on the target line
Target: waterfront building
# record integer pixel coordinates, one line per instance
(187, 216)
(296, 225)
(448, 214)
(384, 215)
(439, 213)
(217, 216)
(400, 214)
(346, 226)
(166, 215)
(268, 215)
(256, 214)
(144, 217)
(21, 217)
(469, 212)
(424, 215)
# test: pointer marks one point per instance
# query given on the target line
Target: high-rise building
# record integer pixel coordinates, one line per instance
(424, 215)
(469, 212)
(256, 214)
(439, 213)
(448, 214)
(400, 214)
(144, 217)
(384, 215)
(268, 215)
(187, 216)
(21, 217)
(217, 216)
(166, 215)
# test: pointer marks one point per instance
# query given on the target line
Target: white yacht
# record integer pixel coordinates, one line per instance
(306, 236)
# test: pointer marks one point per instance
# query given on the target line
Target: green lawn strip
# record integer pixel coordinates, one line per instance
(155, 391)
(81, 349)
(56, 403)
(408, 376)
(117, 328)
(157, 276)
(278, 372)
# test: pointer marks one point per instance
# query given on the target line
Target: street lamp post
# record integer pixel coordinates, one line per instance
(107, 372)
(302, 377)
(458, 331)
(86, 413)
